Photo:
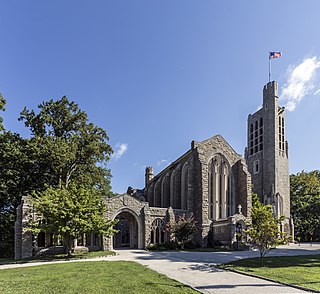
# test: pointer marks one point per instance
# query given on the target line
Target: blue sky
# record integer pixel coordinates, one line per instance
(159, 74)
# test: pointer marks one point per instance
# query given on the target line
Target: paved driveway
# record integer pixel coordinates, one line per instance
(197, 269)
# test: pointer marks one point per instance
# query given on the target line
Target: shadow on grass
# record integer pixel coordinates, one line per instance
(232, 286)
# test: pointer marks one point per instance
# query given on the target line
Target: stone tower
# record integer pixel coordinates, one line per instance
(149, 174)
(267, 154)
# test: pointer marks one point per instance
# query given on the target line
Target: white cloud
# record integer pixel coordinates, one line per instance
(300, 82)
(119, 151)
(162, 162)
(317, 92)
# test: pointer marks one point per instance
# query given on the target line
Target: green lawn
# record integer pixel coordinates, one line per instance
(296, 270)
(88, 277)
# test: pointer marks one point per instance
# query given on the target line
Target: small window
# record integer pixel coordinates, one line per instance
(256, 166)
(261, 122)
(266, 105)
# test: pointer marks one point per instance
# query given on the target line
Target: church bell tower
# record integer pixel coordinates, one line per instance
(267, 154)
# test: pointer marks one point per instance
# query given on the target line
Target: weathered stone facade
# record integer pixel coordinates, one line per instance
(210, 181)
(267, 154)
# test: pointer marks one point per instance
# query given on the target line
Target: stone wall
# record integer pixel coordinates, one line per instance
(23, 237)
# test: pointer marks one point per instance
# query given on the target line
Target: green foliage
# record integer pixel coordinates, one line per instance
(2, 105)
(16, 180)
(64, 148)
(264, 233)
(70, 212)
(182, 229)
(70, 148)
(305, 204)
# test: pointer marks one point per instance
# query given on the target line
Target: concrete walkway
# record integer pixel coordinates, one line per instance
(197, 269)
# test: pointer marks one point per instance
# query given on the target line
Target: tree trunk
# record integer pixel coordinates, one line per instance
(68, 244)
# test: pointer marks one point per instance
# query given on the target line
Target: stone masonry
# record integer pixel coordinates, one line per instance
(209, 181)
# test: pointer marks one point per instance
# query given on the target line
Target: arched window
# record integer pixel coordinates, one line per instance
(157, 194)
(184, 186)
(175, 190)
(165, 191)
(150, 195)
(219, 185)
(158, 231)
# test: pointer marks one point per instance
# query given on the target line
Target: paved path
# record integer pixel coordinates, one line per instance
(198, 270)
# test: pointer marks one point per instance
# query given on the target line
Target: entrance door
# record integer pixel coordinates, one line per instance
(127, 236)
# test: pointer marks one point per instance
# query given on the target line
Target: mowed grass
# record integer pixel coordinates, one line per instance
(88, 277)
(300, 270)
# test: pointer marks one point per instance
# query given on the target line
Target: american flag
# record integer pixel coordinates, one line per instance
(274, 55)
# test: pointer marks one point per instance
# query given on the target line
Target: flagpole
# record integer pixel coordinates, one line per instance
(269, 68)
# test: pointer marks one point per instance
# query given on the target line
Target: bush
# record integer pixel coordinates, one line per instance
(170, 245)
(152, 247)
(189, 245)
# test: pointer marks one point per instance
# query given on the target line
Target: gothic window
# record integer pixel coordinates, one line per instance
(41, 239)
(165, 192)
(281, 134)
(175, 189)
(158, 231)
(157, 194)
(88, 239)
(256, 166)
(184, 186)
(150, 195)
(219, 184)
(256, 137)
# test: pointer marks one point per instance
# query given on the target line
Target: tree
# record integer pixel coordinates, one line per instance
(70, 149)
(305, 204)
(71, 212)
(70, 164)
(2, 105)
(182, 229)
(14, 170)
(264, 233)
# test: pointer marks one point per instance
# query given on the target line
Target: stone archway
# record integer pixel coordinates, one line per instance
(130, 231)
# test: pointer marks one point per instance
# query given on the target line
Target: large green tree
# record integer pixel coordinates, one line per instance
(305, 204)
(70, 148)
(15, 181)
(72, 157)
(71, 212)
(263, 232)
(63, 148)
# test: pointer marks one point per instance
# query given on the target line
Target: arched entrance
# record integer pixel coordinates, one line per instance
(129, 229)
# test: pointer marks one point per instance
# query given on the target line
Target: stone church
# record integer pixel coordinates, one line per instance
(209, 181)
